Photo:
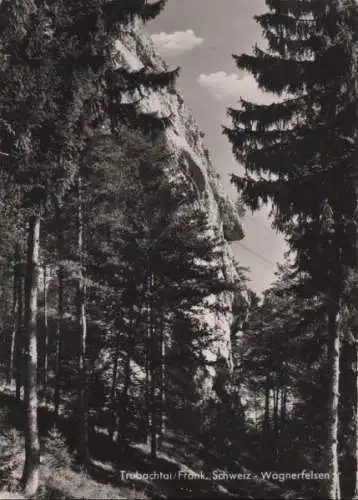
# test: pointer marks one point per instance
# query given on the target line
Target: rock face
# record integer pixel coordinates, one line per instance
(185, 141)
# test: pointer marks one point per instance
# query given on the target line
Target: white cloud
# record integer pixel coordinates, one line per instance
(172, 44)
(225, 87)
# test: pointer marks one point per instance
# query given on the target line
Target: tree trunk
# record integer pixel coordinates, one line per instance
(134, 324)
(147, 393)
(333, 485)
(283, 411)
(151, 373)
(30, 477)
(19, 347)
(352, 85)
(276, 424)
(83, 452)
(266, 423)
(148, 423)
(266, 427)
(114, 399)
(355, 448)
(153, 404)
(154, 366)
(45, 311)
(125, 395)
(15, 312)
(282, 443)
(162, 416)
(275, 410)
(354, 69)
(60, 307)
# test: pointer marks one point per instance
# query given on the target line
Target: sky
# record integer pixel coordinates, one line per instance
(200, 36)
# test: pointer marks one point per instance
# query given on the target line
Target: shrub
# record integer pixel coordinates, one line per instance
(10, 458)
(55, 450)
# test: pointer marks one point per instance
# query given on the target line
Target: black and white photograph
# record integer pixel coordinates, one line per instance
(178, 249)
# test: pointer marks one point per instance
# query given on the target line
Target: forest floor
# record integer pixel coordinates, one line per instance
(121, 475)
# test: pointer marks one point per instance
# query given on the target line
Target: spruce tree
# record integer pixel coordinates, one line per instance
(300, 153)
(60, 80)
(152, 258)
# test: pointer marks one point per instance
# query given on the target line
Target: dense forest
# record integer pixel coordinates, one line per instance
(114, 273)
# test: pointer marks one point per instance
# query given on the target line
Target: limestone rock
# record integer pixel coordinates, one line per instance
(185, 140)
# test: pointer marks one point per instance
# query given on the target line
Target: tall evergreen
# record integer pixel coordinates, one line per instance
(148, 242)
(300, 153)
(60, 80)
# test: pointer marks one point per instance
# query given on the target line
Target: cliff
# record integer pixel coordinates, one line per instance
(185, 140)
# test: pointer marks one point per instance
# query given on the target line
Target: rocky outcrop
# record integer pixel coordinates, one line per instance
(185, 140)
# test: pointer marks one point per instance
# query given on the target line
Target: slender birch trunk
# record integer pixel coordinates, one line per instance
(30, 477)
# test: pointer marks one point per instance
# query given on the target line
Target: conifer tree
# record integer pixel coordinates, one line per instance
(148, 241)
(300, 154)
(60, 80)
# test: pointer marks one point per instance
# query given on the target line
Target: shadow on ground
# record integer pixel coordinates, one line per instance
(130, 473)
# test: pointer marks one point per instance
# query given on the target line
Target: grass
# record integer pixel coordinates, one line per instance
(69, 484)
(57, 480)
